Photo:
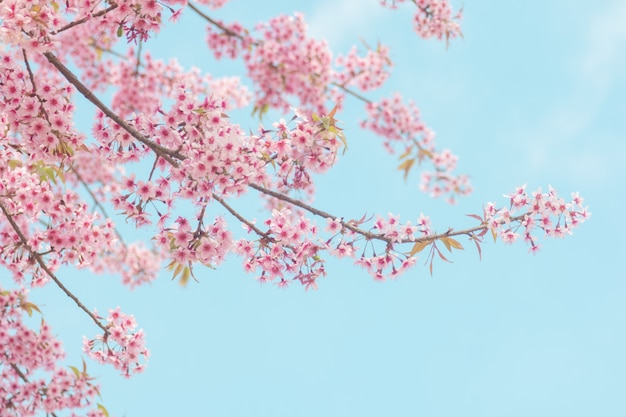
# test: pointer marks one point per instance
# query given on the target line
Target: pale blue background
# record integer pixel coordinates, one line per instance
(533, 94)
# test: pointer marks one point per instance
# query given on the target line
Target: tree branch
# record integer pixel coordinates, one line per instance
(47, 270)
(241, 218)
(375, 236)
(165, 153)
(70, 25)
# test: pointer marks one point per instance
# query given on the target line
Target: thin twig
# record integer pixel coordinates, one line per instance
(165, 153)
(352, 93)
(240, 217)
(214, 22)
(84, 19)
(25, 379)
(173, 157)
(375, 236)
(97, 203)
(47, 270)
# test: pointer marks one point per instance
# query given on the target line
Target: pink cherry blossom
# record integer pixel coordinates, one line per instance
(164, 155)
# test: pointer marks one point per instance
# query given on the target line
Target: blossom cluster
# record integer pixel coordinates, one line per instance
(288, 62)
(401, 126)
(177, 122)
(120, 346)
(31, 382)
(391, 263)
(433, 18)
(285, 63)
(213, 4)
(27, 199)
(286, 251)
(39, 117)
(32, 24)
(308, 146)
(367, 72)
(535, 211)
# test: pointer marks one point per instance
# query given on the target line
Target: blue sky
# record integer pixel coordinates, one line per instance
(534, 94)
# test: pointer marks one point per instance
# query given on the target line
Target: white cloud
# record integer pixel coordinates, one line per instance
(557, 142)
(342, 21)
(588, 152)
(604, 56)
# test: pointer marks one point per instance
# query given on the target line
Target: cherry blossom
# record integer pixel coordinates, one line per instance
(433, 18)
(32, 381)
(163, 138)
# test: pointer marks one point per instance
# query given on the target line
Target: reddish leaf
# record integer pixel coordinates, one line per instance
(480, 255)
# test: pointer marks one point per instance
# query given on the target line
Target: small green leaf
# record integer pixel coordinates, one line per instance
(15, 163)
(120, 31)
(76, 371)
(267, 158)
(261, 110)
(103, 409)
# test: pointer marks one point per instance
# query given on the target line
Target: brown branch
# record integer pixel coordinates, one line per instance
(47, 270)
(369, 235)
(97, 203)
(172, 156)
(163, 152)
(257, 43)
(25, 379)
(352, 93)
(241, 218)
(214, 22)
(70, 25)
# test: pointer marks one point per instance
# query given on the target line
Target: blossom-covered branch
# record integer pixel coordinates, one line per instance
(165, 139)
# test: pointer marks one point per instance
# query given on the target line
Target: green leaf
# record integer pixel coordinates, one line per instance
(15, 163)
(103, 409)
(120, 31)
(267, 158)
(76, 371)
(261, 110)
